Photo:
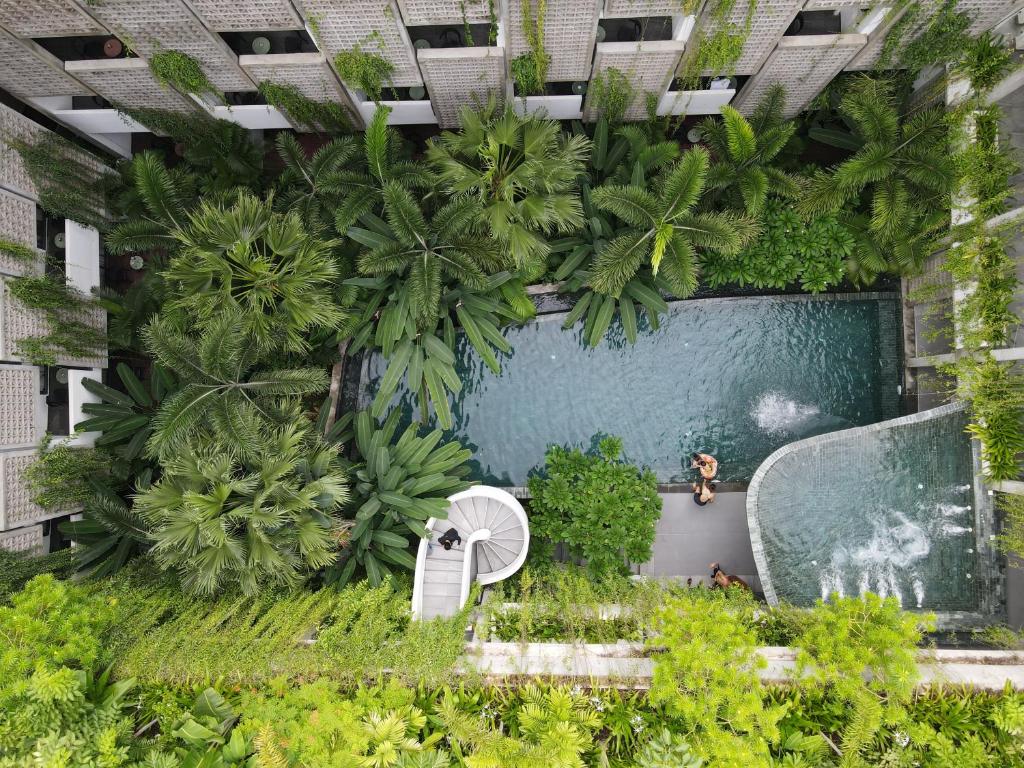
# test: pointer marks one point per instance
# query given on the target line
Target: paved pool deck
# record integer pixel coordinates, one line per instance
(689, 537)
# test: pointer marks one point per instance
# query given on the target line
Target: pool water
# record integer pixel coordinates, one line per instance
(889, 509)
(737, 378)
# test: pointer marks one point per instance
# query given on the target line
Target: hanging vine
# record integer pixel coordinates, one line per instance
(530, 69)
(719, 51)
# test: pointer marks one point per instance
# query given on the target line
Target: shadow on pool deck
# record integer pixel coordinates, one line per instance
(689, 537)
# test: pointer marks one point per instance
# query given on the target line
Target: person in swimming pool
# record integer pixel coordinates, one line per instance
(703, 492)
(706, 464)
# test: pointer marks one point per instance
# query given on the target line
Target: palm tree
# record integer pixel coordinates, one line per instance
(424, 253)
(221, 520)
(903, 171)
(156, 201)
(262, 266)
(664, 230)
(521, 169)
(223, 391)
(314, 187)
(743, 152)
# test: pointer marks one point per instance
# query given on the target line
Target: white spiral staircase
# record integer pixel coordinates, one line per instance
(495, 539)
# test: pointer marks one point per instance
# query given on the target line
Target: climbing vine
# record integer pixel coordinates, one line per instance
(181, 71)
(67, 313)
(303, 111)
(369, 72)
(611, 94)
(530, 69)
(719, 51)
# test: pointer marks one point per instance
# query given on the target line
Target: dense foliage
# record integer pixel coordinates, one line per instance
(602, 508)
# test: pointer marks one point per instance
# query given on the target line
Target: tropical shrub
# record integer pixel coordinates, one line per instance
(223, 520)
(223, 392)
(522, 172)
(902, 174)
(790, 250)
(366, 71)
(125, 418)
(424, 252)
(399, 485)
(18, 568)
(742, 174)
(664, 228)
(604, 509)
(263, 267)
(707, 674)
(1011, 536)
(110, 533)
(610, 160)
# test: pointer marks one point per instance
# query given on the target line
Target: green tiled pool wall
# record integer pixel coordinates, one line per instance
(894, 507)
(890, 347)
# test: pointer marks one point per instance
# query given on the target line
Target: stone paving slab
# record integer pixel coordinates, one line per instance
(690, 537)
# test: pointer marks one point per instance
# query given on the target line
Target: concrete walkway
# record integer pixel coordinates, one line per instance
(689, 537)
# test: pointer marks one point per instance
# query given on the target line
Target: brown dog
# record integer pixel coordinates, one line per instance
(724, 580)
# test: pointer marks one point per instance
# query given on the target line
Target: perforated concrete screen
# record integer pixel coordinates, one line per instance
(829, 5)
(247, 15)
(18, 323)
(129, 82)
(47, 18)
(570, 32)
(28, 71)
(307, 72)
(457, 77)
(767, 25)
(20, 422)
(157, 25)
(648, 66)
(374, 25)
(18, 225)
(805, 65)
(424, 12)
(13, 175)
(641, 8)
(983, 14)
(28, 540)
(17, 509)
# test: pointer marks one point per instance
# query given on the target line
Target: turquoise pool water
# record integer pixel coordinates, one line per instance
(889, 509)
(737, 378)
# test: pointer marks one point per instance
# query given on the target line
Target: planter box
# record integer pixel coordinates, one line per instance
(402, 112)
(555, 107)
(625, 664)
(695, 102)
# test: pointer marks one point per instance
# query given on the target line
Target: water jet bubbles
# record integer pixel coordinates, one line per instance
(814, 562)
(968, 507)
(553, 357)
(967, 575)
(920, 486)
(970, 551)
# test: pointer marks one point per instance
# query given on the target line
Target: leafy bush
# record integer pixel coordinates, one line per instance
(603, 509)
(222, 520)
(707, 675)
(50, 624)
(398, 487)
(789, 250)
(986, 61)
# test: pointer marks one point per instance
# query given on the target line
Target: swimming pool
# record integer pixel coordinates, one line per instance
(890, 508)
(735, 377)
